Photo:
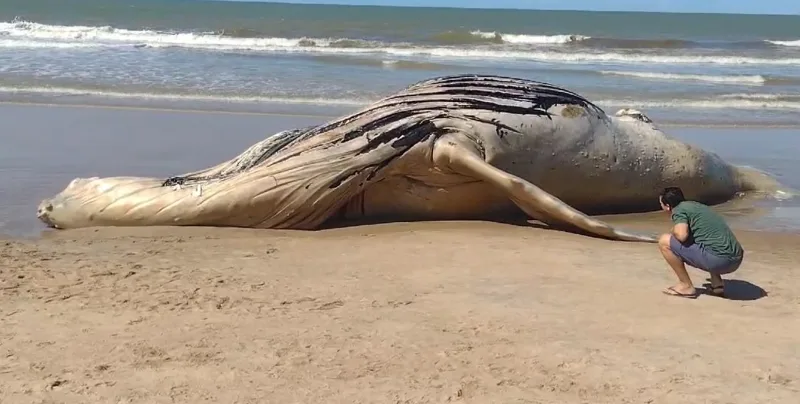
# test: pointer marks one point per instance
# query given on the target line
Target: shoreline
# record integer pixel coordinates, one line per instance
(740, 215)
(655, 222)
(656, 225)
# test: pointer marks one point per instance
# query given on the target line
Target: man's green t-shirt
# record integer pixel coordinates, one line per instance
(708, 229)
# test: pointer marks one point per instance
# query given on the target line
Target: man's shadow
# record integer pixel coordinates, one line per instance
(736, 289)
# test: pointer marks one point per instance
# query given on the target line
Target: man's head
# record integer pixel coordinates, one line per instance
(670, 198)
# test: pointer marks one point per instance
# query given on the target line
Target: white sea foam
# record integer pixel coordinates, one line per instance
(23, 34)
(103, 35)
(786, 43)
(734, 79)
(757, 96)
(532, 39)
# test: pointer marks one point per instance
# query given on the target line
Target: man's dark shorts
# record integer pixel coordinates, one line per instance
(700, 258)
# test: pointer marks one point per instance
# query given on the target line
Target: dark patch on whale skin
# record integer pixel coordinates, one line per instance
(403, 138)
(454, 96)
(540, 95)
(545, 94)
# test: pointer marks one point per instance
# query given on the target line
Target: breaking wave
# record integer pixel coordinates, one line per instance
(544, 48)
(786, 43)
(530, 39)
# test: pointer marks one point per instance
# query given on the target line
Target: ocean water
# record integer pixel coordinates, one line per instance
(679, 68)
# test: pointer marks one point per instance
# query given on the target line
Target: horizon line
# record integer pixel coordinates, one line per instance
(504, 8)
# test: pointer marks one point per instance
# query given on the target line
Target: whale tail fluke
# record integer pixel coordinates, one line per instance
(755, 182)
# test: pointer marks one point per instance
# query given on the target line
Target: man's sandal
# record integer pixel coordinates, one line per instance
(718, 291)
(670, 291)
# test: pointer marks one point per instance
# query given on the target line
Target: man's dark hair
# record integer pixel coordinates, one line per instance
(672, 196)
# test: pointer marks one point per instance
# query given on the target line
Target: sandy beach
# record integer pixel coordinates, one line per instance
(417, 313)
(468, 312)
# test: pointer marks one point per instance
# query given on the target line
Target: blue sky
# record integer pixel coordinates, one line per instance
(714, 6)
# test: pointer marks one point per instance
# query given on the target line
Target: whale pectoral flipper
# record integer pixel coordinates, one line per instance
(457, 153)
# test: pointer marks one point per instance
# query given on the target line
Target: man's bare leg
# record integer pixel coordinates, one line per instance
(717, 284)
(684, 285)
(716, 280)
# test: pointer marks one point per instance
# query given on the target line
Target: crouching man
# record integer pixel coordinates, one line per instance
(700, 238)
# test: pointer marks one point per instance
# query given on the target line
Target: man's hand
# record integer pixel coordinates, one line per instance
(681, 232)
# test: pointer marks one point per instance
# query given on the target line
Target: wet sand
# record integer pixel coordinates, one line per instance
(406, 312)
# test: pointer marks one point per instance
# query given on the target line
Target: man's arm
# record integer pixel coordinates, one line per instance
(681, 232)
(680, 229)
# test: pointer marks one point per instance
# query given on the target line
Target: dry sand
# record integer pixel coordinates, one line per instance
(393, 313)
